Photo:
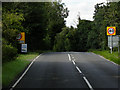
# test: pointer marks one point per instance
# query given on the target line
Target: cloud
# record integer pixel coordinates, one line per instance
(85, 7)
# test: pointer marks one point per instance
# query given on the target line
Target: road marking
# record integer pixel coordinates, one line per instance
(105, 59)
(73, 62)
(69, 57)
(85, 79)
(24, 73)
(78, 69)
(73, 57)
(89, 85)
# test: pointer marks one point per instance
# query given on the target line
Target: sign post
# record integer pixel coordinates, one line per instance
(119, 48)
(21, 40)
(24, 48)
(110, 32)
(111, 44)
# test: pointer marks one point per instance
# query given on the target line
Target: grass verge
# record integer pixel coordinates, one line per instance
(11, 69)
(106, 54)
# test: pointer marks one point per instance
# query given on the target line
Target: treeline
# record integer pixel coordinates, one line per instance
(45, 29)
(74, 39)
(39, 20)
(90, 34)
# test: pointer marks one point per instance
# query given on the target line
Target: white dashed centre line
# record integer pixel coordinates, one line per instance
(91, 88)
(69, 57)
(85, 79)
(73, 62)
(78, 69)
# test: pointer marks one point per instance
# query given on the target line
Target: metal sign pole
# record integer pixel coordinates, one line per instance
(111, 44)
(119, 47)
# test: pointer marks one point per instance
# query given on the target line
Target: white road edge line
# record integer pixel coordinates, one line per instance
(106, 59)
(24, 73)
(69, 57)
(78, 69)
(91, 88)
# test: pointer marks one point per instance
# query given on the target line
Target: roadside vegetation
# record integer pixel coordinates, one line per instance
(40, 21)
(11, 69)
(45, 29)
(90, 34)
(106, 54)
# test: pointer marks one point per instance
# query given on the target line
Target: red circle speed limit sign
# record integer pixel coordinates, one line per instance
(19, 36)
(111, 30)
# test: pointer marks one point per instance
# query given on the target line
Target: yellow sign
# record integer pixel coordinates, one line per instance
(21, 37)
(111, 30)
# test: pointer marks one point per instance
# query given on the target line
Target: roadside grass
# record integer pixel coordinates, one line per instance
(11, 69)
(106, 54)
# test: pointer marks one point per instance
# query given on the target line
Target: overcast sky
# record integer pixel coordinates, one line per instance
(84, 7)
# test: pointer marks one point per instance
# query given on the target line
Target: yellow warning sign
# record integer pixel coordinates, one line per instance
(111, 30)
(21, 37)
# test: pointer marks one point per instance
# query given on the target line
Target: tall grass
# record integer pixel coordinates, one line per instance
(112, 57)
(11, 69)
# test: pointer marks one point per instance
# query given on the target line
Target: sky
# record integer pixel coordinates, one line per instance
(83, 8)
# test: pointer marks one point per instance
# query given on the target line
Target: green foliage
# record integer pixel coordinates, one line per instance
(11, 23)
(13, 68)
(55, 22)
(40, 21)
(44, 25)
(83, 29)
(92, 40)
(90, 34)
(105, 15)
(61, 41)
(8, 51)
(71, 39)
(112, 57)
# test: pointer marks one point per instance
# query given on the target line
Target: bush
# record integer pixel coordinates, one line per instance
(8, 51)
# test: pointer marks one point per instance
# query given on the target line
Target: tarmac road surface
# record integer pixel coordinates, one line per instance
(83, 70)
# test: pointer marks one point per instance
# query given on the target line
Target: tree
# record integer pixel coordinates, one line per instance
(106, 15)
(11, 24)
(83, 28)
(56, 14)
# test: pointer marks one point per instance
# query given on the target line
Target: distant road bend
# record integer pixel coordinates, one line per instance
(70, 70)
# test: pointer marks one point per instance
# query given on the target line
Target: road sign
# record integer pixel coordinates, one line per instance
(24, 48)
(21, 38)
(114, 40)
(111, 30)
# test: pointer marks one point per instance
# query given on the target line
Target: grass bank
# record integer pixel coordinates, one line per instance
(11, 69)
(106, 54)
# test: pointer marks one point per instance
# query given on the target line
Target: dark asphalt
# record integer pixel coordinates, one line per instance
(54, 70)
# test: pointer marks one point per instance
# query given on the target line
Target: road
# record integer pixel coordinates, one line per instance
(70, 70)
